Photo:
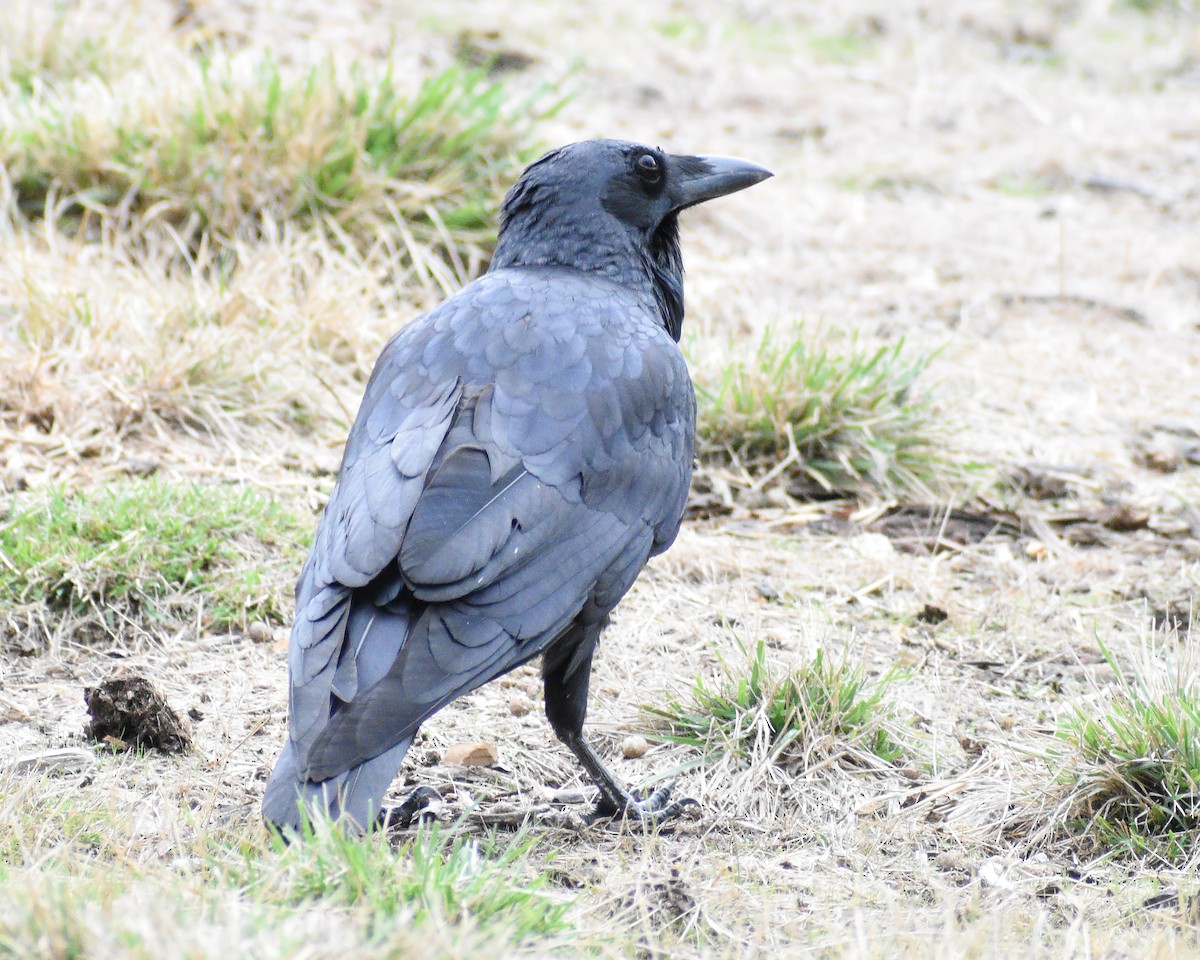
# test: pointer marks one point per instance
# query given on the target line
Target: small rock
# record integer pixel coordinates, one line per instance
(17, 480)
(766, 591)
(519, 704)
(1042, 482)
(138, 467)
(480, 754)
(873, 546)
(1159, 452)
(634, 746)
(1036, 550)
(260, 632)
(995, 872)
(1125, 518)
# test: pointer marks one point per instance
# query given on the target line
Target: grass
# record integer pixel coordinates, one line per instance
(86, 888)
(47, 44)
(438, 877)
(1030, 185)
(226, 146)
(100, 349)
(151, 547)
(769, 36)
(240, 351)
(1154, 6)
(822, 709)
(1135, 775)
(840, 47)
(839, 421)
(254, 224)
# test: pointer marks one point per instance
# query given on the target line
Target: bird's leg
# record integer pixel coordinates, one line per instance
(566, 683)
(616, 800)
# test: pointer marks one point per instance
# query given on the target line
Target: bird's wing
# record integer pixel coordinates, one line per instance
(563, 464)
(402, 424)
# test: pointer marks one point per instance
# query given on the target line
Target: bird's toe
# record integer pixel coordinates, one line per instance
(657, 807)
(411, 807)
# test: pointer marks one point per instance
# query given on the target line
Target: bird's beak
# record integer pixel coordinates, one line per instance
(696, 179)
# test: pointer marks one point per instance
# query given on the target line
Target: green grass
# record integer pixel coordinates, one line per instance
(754, 710)
(840, 47)
(223, 146)
(437, 877)
(53, 43)
(768, 37)
(840, 419)
(686, 29)
(157, 548)
(1154, 6)
(439, 894)
(1027, 185)
(1135, 774)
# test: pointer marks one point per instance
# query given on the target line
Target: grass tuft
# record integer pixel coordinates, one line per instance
(821, 710)
(152, 548)
(48, 44)
(1135, 777)
(80, 878)
(224, 147)
(439, 877)
(836, 421)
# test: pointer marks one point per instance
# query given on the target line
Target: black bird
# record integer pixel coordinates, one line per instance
(520, 453)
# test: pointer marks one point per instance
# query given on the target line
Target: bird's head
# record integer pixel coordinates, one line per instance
(611, 207)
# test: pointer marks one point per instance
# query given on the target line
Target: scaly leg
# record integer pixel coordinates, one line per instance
(566, 670)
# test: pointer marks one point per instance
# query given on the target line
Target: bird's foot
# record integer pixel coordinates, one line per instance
(411, 807)
(657, 807)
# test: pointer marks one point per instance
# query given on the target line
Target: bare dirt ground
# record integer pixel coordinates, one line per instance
(1013, 185)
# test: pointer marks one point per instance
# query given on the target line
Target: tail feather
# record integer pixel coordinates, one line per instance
(353, 798)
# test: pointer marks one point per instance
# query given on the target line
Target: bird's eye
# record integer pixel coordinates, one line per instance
(648, 168)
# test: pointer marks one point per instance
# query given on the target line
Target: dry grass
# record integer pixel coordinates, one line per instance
(215, 148)
(49, 45)
(1128, 769)
(102, 349)
(1005, 189)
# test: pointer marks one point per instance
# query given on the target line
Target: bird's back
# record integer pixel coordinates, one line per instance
(520, 452)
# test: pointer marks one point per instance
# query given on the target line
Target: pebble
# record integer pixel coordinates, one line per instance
(634, 746)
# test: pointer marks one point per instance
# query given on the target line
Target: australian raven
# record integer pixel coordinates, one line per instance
(521, 451)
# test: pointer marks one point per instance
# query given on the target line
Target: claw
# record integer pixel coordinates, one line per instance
(411, 807)
(655, 808)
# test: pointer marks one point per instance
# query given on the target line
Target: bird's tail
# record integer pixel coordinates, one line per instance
(353, 798)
